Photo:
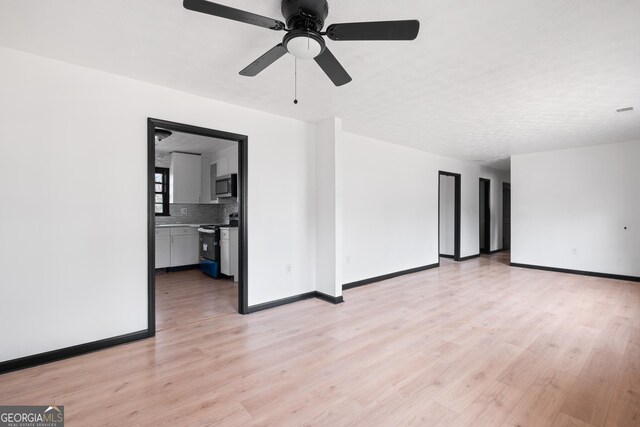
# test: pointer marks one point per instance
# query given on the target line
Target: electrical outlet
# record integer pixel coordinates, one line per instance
(348, 259)
(288, 268)
(574, 251)
(183, 211)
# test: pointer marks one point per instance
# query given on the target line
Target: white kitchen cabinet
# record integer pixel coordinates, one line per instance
(177, 246)
(209, 175)
(185, 178)
(208, 171)
(227, 165)
(222, 166)
(163, 248)
(233, 163)
(212, 167)
(184, 250)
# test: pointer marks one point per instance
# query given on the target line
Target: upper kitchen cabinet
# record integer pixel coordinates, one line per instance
(233, 163)
(227, 162)
(222, 166)
(185, 178)
(215, 165)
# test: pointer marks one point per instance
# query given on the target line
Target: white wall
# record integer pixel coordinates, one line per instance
(447, 214)
(72, 260)
(570, 209)
(329, 207)
(390, 206)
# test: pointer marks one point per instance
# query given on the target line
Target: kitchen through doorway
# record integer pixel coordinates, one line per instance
(197, 224)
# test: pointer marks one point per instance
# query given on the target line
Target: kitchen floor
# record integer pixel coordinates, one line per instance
(188, 296)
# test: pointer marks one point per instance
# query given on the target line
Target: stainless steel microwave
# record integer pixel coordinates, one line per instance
(227, 186)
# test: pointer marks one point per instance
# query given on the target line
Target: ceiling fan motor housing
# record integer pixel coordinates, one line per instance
(305, 14)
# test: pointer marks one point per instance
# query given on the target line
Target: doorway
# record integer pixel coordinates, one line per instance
(506, 216)
(449, 199)
(485, 216)
(157, 204)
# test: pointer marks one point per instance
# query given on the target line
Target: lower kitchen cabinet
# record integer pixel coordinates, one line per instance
(163, 251)
(184, 250)
(177, 246)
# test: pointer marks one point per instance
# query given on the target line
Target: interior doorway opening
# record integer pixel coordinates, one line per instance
(197, 230)
(449, 199)
(485, 216)
(506, 216)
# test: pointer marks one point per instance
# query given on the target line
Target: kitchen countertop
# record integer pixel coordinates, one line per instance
(179, 225)
(192, 225)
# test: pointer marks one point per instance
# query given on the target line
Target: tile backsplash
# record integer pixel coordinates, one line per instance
(197, 214)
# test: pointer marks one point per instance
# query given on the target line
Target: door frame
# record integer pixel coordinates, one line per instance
(457, 212)
(242, 140)
(487, 215)
(506, 186)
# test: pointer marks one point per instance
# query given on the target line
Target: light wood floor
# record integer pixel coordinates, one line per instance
(475, 343)
(189, 296)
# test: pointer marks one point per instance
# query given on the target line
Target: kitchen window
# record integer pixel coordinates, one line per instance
(161, 184)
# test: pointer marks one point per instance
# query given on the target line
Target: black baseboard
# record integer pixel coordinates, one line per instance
(296, 298)
(65, 353)
(580, 272)
(279, 302)
(329, 298)
(182, 268)
(388, 276)
(466, 258)
(497, 250)
(446, 256)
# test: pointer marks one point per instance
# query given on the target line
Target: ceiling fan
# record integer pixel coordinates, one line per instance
(304, 35)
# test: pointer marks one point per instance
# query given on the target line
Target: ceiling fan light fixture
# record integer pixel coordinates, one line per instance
(304, 46)
(162, 134)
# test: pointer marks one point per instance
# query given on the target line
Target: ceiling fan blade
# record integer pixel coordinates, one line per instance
(227, 12)
(332, 68)
(385, 30)
(264, 61)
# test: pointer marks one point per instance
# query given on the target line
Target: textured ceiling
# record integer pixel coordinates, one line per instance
(189, 143)
(484, 80)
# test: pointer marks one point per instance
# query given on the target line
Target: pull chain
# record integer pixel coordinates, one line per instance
(295, 84)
